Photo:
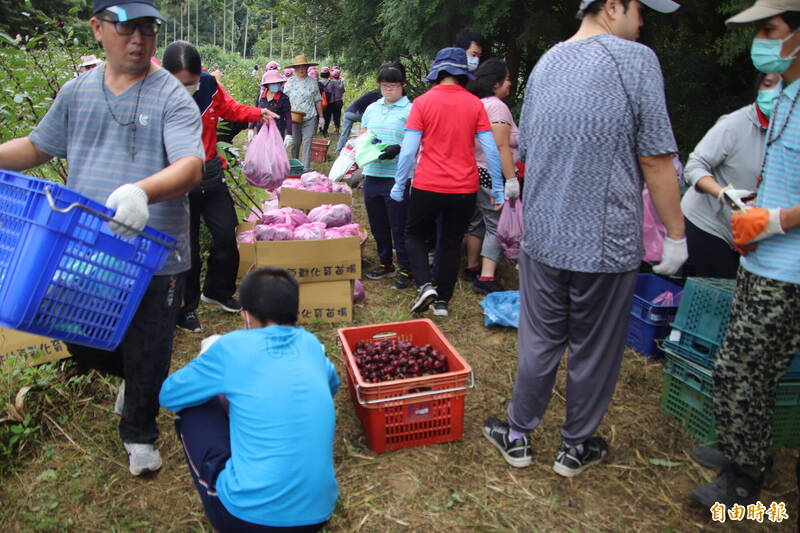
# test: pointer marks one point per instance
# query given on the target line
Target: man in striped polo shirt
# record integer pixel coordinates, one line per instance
(764, 329)
(130, 133)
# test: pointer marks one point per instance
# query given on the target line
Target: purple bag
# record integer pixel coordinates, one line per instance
(509, 229)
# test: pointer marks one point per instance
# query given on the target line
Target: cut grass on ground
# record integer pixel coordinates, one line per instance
(77, 479)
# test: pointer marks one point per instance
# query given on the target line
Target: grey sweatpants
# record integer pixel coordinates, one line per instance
(483, 225)
(302, 134)
(584, 312)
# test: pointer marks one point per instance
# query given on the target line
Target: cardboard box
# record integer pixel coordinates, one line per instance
(38, 349)
(309, 199)
(308, 261)
(328, 301)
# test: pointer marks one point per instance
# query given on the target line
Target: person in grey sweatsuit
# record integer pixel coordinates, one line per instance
(726, 163)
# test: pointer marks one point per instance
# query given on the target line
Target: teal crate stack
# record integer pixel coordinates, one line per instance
(688, 396)
(697, 332)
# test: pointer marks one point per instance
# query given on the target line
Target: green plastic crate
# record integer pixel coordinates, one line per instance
(295, 168)
(691, 402)
(704, 308)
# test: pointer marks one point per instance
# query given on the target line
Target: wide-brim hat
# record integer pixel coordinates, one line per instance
(300, 61)
(125, 10)
(90, 59)
(452, 60)
(272, 76)
(764, 9)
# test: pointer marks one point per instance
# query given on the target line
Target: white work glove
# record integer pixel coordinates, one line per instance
(734, 198)
(288, 142)
(674, 254)
(512, 188)
(130, 203)
(250, 134)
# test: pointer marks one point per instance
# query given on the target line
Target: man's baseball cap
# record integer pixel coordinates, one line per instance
(125, 10)
(662, 6)
(764, 9)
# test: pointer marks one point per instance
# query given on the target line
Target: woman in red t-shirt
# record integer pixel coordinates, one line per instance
(445, 121)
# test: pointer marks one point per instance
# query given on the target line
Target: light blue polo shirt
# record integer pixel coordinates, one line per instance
(388, 123)
(778, 257)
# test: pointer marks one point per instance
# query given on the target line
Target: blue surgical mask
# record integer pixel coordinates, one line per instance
(766, 99)
(766, 55)
(275, 87)
(472, 63)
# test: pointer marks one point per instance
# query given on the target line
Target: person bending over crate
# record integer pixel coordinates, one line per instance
(210, 199)
(763, 333)
(131, 136)
(256, 416)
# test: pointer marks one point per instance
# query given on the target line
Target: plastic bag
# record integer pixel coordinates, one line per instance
(343, 163)
(501, 309)
(274, 232)
(257, 168)
(368, 148)
(359, 292)
(247, 236)
(668, 299)
(285, 215)
(315, 181)
(313, 231)
(653, 231)
(509, 229)
(331, 215)
(341, 188)
(348, 230)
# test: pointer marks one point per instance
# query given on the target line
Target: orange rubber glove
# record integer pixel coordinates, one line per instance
(753, 225)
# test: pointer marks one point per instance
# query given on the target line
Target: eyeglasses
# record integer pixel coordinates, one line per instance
(391, 86)
(147, 28)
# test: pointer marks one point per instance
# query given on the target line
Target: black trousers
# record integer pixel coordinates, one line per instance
(710, 256)
(455, 211)
(387, 220)
(142, 359)
(212, 201)
(204, 431)
(334, 111)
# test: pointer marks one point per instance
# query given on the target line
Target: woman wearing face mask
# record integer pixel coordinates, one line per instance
(271, 97)
(723, 169)
(210, 198)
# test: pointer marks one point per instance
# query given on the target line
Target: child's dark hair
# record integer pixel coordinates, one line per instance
(491, 72)
(392, 72)
(462, 79)
(466, 37)
(181, 55)
(270, 295)
(792, 19)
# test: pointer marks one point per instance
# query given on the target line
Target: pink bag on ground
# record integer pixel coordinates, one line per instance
(509, 229)
(265, 162)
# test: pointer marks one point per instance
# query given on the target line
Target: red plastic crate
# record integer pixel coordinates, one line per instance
(405, 413)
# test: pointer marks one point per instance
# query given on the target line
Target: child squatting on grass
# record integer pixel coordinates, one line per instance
(256, 416)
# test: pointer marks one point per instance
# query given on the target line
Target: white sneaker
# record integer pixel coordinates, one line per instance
(143, 458)
(119, 403)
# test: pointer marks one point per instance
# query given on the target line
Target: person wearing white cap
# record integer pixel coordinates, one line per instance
(763, 332)
(594, 127)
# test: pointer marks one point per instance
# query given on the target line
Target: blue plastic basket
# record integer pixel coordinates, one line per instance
(648, 286)
(644, 336)
(67, 275)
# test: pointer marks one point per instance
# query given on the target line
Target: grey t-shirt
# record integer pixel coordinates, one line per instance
(732, 152)
(80, 127)
(591, 108)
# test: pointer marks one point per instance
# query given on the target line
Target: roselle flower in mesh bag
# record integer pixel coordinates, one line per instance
(331, 215)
